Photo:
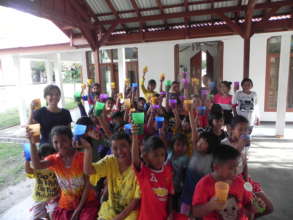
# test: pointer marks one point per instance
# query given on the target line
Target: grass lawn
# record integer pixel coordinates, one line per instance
(9, 118)
(11, 164)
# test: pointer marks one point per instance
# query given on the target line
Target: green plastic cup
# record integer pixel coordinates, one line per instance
(77, 96)
(168, 83)
(99, 107)
(138, 118)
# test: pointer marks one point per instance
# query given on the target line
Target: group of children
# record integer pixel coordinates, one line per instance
(165, 167)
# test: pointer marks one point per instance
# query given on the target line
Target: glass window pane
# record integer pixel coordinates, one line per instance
(272, 78)
(106, 78)
(115, 55)
(105, 56)
(131, 53)
(290, 81)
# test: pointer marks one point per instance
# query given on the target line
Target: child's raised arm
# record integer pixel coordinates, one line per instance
(88, 168)
(135, 148)
(37, 163)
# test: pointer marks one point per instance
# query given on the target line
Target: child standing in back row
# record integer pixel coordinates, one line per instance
(154, 177)
(46, 190)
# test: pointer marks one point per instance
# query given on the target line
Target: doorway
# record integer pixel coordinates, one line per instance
(199, 59)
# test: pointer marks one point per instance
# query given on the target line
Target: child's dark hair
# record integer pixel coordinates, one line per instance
(45, 150)
(85, 121)
(61, 130)
(175, 82)
(224, 153)
(110, 99)
(237, 120)
(217, 115)
(152, 82)
(207, 137)
(180, 138)
(116, 115)
(49, 88)
(152, 143)
(96, 85)
(216, 108)
(227, 84)
(246, 80)
(141, 99)
(121, 136)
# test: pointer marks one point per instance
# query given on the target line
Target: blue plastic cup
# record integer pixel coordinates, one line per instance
(201, 110)
(127, 128)
(134, 85)
(212, 85)
(160, 121)
(78, 131)
(27, 151)
(84, 97)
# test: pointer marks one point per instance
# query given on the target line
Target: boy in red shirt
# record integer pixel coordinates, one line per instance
(238, 205)
(154, 177)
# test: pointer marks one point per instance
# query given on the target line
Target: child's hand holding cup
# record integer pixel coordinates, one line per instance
(33, 132)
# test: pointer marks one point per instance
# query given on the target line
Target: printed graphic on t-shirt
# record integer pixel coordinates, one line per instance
(246, 105)
(231, 211)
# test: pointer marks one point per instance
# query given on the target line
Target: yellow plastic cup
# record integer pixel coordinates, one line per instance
(195, 81)
(154, 100)
(221, 191)
(36, 104)
(113, 85)
(83, 86)
(127, 81)
(145, 69)
(36, 131)
(127, 103)
(89, 82)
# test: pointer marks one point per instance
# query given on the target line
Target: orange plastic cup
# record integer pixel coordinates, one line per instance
(154, 100)
(195, 81)
(36, 131)
(162, 76)
(37, 104)
(221, 191)
(187, 104)
(83, 86)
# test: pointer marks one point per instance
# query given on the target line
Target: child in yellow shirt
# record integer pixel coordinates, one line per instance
(123, 190)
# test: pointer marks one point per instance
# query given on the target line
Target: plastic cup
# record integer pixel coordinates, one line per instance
(127, 103)
(159, 121)
(154, 100)
(138, 118)
(89, 82)
(127, 81)
(168, 83)
(134, 85)
(36, 130)
(99, 107)
(84, 97)
(204, 92)
(103, 97)
(37, 104)
(187, 104)
(195, 81)
(113, 85)
(221, 191)
(77, 96)
(78, 131)
(27, 151)
(201, 110)
(155, 106)
(163, 93)
(162, 76)
(212, 85)
(127, 128)
(172, 103)
(236, 85)
(83, 86)
(145, 69)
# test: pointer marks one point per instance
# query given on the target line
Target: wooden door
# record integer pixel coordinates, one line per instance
(195, 66)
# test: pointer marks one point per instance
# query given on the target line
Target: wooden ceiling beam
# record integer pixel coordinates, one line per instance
(200, 12)
(248, 19)
(270, 13)
(234, 26)
(107, 34)
(114, 11)
(142, 25)
(159, 3)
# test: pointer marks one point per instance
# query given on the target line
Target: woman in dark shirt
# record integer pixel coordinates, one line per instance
(51, 115)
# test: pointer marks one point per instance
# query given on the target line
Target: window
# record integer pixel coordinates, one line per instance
(272, 75)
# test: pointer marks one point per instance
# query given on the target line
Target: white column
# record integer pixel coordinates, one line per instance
(49, 72)
(283, 84)
(121, 68)
(84, 68)
(58, 76)
(19, 87)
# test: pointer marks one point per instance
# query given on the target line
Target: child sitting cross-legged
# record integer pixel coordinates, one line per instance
(123, 190)
(46, 190)
(239, 201)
